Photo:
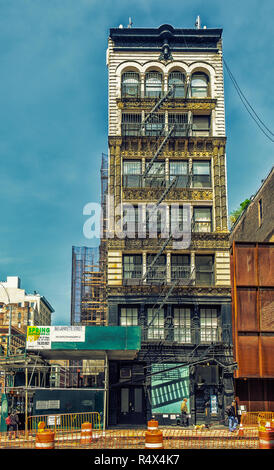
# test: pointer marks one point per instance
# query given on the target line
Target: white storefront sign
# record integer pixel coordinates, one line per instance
(41, 337)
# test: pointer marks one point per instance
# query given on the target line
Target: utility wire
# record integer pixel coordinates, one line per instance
(246, 104)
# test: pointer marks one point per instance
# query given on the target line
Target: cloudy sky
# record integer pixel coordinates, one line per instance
(53, 124)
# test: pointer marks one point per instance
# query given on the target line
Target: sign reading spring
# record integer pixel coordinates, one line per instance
(38, 337)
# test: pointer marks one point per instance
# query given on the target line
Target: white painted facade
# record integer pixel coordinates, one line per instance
(11, 293)
(186, 62)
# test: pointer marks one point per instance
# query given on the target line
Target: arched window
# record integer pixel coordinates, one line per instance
(177, 79)
(153, 84)
(199, 85)
(130, 85)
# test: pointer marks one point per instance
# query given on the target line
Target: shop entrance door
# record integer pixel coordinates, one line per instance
(132, 405)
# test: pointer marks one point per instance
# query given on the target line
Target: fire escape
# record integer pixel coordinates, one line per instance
(150, 125)
(162, 350)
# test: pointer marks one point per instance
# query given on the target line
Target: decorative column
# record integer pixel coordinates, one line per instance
(223, 189)
(117, 188)
(111, 184)
(217, 188)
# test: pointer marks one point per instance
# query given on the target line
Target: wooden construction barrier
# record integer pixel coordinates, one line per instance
(45, 439)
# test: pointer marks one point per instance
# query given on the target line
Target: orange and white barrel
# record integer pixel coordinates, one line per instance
(45, 439)
(154, 439)
(86, 433)
(266, 436)
(241, 430)
(152, 425)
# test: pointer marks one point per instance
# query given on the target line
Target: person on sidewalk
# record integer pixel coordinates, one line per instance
(232, 416)
(184, 413)
(14, 421)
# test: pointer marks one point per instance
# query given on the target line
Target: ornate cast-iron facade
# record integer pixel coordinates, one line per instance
(167, 145)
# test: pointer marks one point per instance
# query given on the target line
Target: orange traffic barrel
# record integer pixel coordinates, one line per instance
(154, 439)
(266, 436)
(45, 439)
(86, 433)
(152, 425)
(241, 431)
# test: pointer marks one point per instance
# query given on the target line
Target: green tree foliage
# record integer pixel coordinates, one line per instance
(234, 215)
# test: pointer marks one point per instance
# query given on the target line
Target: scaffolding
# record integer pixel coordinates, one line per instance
(89, 289)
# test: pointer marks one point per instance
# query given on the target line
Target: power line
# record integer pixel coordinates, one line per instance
(246, 104)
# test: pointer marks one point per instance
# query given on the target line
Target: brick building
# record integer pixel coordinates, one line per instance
(256, 223)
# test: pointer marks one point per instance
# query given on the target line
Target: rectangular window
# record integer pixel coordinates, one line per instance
(180, 267)
(129, 316)
(155, 323)
(201, 126)
(202, 220)
(209, 325)
(179, 219)
(131, 124)
(157, 272)
(201, 174)
(179, 170)
(155, 177)
(132, 266)
(130, 219)
(179, 123)
(132, 174)
(155, 125)
(182, 325)
(204, 268)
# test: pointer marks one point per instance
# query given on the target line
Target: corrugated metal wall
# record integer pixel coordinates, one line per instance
(252, 267)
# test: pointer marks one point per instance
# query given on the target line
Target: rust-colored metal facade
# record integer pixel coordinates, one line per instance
(252, 270)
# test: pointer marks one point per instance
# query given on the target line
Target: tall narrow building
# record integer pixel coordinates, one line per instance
(168, 242)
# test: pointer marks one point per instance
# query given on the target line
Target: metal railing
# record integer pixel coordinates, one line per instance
(181, 333)
(255, 418)
(65, 422)
(183, 275)
(180, 273)
(160, 180)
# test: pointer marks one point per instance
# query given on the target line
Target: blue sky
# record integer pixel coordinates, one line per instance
(53, 124)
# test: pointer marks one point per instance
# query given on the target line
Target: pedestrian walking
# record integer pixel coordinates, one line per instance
(232, 416)
(14, 422)
(8, 422)
(184, 413)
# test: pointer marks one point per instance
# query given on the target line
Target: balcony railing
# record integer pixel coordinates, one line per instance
(183, 275)
(156, 275)
(160, 180)
(134, 91)
(182, 334)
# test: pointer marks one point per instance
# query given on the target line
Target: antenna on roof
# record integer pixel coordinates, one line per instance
(130, 23)
(198, 22)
